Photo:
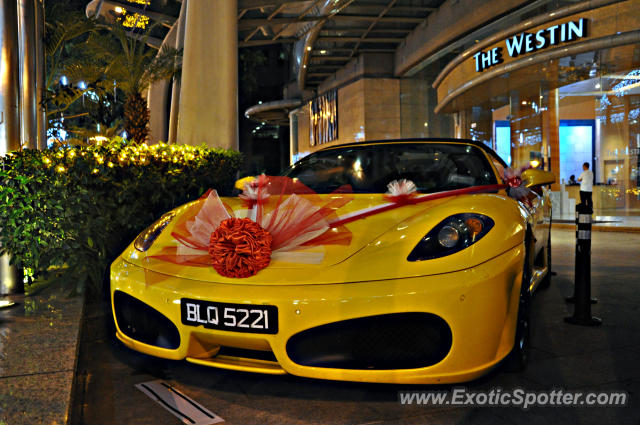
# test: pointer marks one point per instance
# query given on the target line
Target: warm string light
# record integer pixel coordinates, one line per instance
(106, 156)
(131, 20)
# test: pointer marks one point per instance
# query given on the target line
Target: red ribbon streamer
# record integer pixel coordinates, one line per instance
(237, 249)
(418, 200)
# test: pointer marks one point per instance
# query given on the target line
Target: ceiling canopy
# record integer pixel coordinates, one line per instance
(326, 33)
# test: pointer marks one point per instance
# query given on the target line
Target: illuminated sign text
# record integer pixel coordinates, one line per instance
(527, 42)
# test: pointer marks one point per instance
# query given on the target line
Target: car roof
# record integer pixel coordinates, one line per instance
(476, 143)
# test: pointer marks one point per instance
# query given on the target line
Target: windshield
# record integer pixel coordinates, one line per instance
(433, 167)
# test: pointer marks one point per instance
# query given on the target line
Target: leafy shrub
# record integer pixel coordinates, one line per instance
(78, 207)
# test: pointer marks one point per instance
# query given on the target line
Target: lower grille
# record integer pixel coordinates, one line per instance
(247, 354)
(143, 323)
(384, 342)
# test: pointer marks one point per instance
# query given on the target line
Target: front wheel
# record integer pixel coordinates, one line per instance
(518, 358)
(546, 281)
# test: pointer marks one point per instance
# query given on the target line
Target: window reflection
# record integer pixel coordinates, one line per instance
(433, 167)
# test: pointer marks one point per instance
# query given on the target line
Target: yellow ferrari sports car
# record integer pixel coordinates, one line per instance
(408, 261)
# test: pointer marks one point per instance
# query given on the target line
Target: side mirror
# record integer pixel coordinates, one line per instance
(534, 177)
(239, 184)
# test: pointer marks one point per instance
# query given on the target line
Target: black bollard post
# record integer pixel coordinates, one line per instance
(582, 295)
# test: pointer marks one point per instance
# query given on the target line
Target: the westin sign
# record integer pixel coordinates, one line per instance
(530, 42)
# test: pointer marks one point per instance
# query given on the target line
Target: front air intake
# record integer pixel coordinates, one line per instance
(139, 321)
(385, 342)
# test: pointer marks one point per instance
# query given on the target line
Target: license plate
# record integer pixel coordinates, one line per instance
(230, 317)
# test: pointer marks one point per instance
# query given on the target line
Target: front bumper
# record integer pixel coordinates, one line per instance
(479, 305)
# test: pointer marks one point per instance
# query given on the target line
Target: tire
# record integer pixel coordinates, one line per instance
(546, 282)
(517, 359)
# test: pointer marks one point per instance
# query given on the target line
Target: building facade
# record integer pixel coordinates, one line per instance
(552, 84)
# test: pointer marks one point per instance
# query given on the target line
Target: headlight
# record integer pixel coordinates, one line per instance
(145, 239)
(453, 234)
(448, 236)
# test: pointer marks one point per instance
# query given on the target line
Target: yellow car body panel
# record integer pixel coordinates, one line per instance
(475, 291)
(476, 303)
(394, 231)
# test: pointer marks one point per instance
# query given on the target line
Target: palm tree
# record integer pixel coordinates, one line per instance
(133, 66)
(65, 34)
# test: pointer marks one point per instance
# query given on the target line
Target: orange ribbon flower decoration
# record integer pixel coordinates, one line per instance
(240, 247)
(286, 219)
(283, 220)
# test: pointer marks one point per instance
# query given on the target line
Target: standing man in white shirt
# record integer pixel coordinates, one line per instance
(586, 186)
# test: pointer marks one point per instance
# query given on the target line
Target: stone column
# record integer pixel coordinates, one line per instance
(9, 82)
(158, 99)
(11, 278)
(209, 88)
(27, 63)
(9, 114)
(551, 126)
(41, 117)
(175, 86)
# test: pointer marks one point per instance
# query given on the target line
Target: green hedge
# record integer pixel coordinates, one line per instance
(76, 208)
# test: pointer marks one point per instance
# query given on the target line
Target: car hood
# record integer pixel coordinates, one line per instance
(378, 249)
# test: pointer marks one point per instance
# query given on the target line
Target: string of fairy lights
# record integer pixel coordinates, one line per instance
(110, 155)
